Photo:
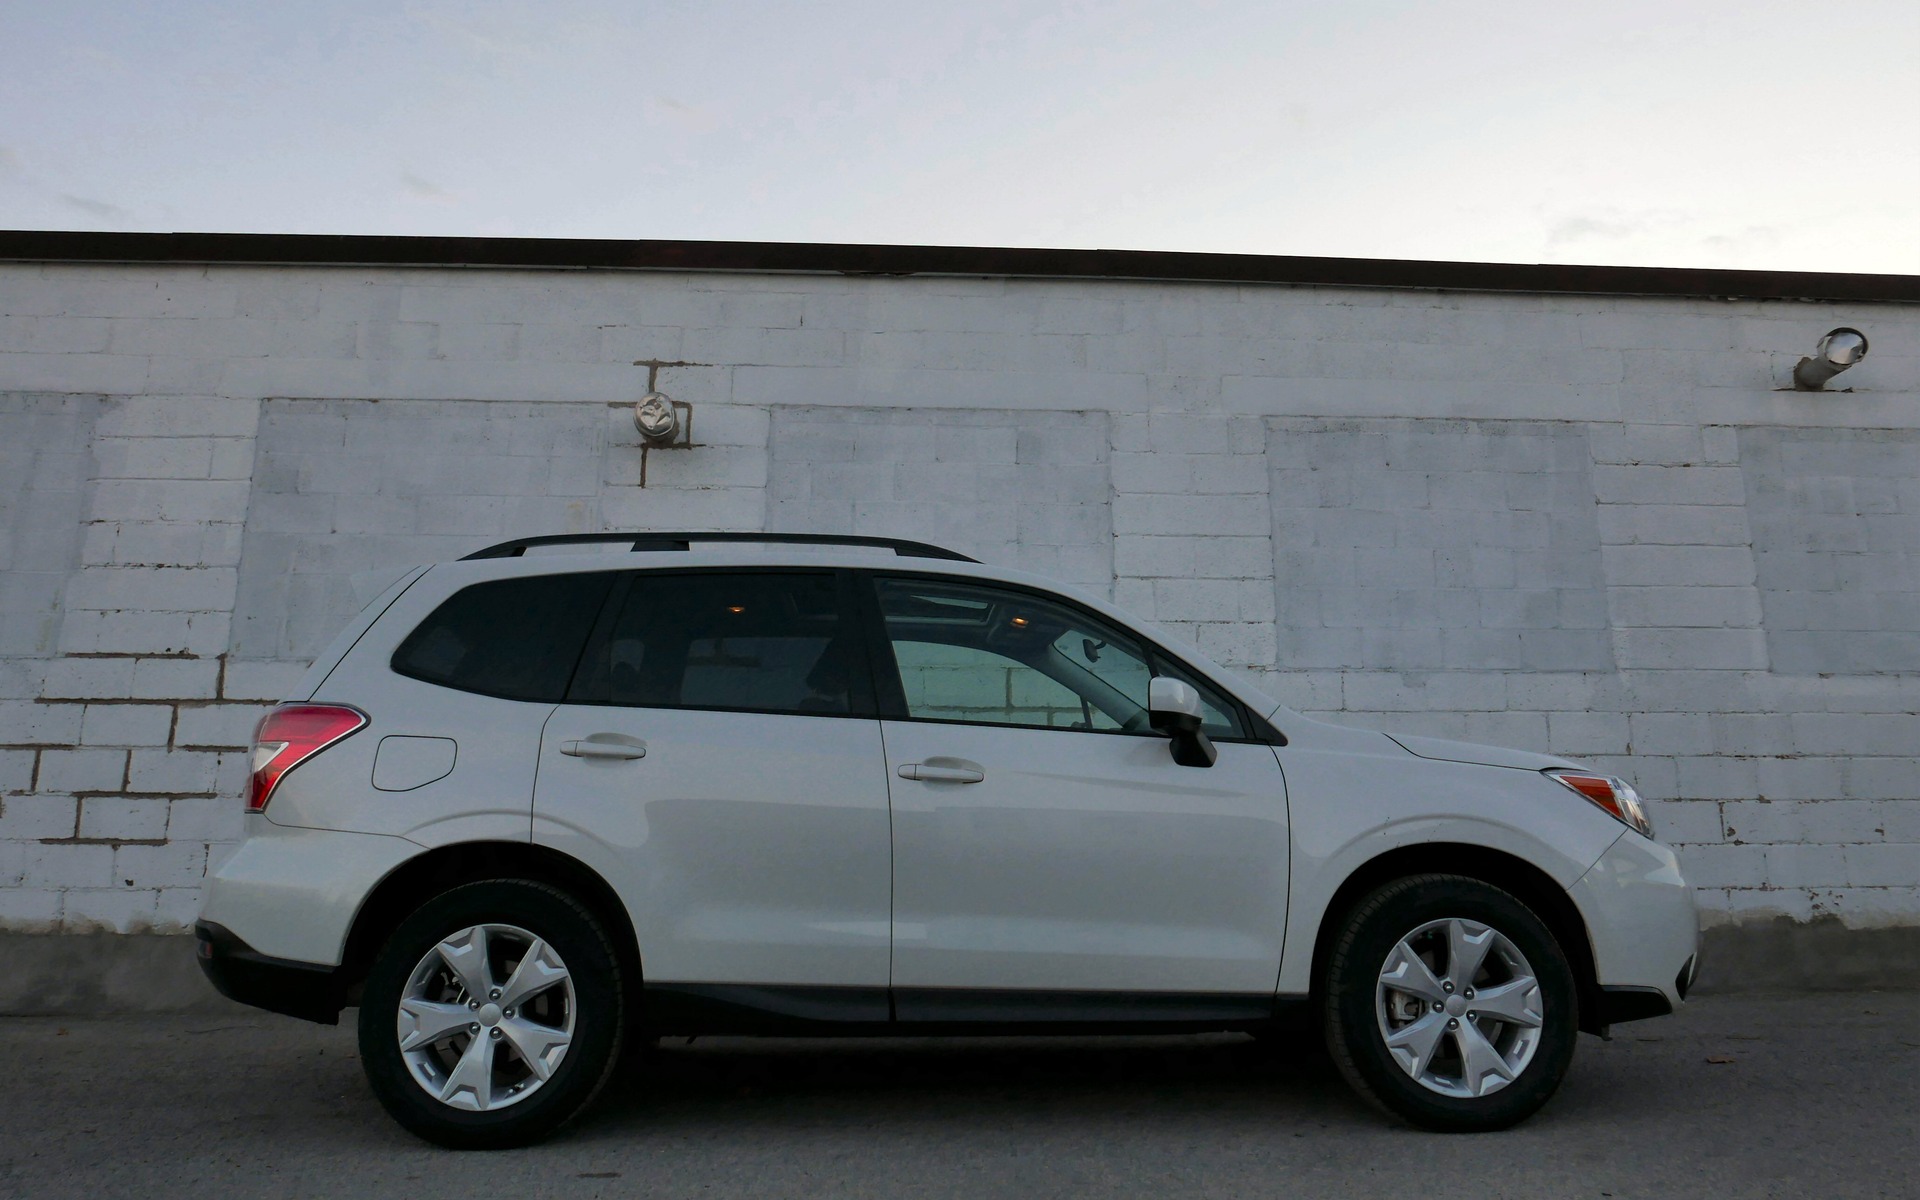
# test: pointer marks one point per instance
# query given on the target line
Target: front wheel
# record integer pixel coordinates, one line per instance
(1448, 1003)
(493, 1015)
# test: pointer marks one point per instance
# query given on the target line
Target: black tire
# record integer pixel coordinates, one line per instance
(1350, 1003)
(599, 1014)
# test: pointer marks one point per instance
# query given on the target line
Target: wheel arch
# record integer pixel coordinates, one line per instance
(426, 875)
(1510, 873)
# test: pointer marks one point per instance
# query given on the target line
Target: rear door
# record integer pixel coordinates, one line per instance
(719, 762)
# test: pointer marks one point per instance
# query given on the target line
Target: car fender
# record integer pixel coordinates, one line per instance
(1350, 805)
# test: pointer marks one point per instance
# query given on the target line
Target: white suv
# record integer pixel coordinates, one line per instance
(532, 807)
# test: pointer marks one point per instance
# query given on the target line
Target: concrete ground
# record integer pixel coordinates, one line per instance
(1810, 1095)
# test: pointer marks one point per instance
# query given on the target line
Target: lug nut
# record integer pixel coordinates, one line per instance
(1452, 1024)
(494, 994)
(497, 1034)
(473, 1004)
(1468, 993)
(1447, 986)
(473, 1028)
(1473, 1016)
(508, 1014)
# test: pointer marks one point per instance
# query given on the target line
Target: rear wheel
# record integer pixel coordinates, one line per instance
(1448, 1003)
(493, 1015)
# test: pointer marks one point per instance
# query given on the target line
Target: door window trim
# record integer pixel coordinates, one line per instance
(891, 698)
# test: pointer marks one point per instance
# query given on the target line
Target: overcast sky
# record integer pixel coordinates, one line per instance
(1660, 132)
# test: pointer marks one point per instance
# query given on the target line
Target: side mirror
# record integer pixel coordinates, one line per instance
(1174, 709)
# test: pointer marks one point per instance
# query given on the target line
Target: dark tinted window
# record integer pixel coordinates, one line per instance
(517, 638)
(761, 642)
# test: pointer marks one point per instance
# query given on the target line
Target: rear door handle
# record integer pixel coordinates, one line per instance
(603, 745)
(943, 770)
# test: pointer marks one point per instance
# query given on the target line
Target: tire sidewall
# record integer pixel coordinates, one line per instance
(1353, 1025)
(599, 1015)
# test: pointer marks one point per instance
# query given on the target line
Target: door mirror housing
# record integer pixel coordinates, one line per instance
(1174, 709)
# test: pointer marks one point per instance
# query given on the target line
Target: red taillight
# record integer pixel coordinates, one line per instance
(290, 735)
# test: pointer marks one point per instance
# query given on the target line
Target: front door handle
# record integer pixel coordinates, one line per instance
(602, 745)
(943, 770)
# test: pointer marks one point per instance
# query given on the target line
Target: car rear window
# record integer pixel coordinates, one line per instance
(514, 638)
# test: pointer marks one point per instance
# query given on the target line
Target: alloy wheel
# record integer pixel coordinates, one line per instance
(1459, 1008)
(486, 1017)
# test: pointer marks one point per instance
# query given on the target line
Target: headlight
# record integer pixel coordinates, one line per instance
(1611, 793)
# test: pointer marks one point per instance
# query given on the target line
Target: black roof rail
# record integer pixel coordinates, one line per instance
(684, 541)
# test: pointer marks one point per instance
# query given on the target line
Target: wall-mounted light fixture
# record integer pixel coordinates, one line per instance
(655, 418)
(1836, 352)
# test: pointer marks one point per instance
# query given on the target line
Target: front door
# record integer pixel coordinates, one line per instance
(719, 763)
(1044, 839)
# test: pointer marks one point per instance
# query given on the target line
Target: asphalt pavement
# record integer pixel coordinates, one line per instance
(1811, 1095)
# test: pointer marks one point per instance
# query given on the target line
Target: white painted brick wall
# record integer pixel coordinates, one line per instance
(1590, 526)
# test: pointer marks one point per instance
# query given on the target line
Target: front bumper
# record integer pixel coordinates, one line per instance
(1644, 927)
(310, 991)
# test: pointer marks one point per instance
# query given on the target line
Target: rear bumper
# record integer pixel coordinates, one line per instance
(310, 991)
(292, 893)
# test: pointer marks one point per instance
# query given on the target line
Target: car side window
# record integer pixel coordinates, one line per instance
(773, 642)
(518, 639)
(972, 652)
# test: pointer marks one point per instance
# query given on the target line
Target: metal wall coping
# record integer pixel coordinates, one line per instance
(354, 250)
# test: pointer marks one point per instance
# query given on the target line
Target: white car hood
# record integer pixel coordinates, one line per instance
(1442, 750)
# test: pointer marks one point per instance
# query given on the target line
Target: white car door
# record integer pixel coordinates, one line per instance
(1044, 838)
(718, 762)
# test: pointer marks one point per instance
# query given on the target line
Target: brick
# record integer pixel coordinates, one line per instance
(1700, 566)
(1855, 733)
(181, 864)
(1155, 556)
(37, 817)
(1800, 779)
(175, 679)
(221, 726)
(267, 681)
(174, 772)
(1238, 644)
(1694, 822)
(152, 588)
(107, 910)
(82, 770)
(68, 865)
(126, 725)
(204, 819)
(1576, 734)
(1717, 866)
(123, 818)
(1677, 607)
(1697, 649)
(16, 770)
(1673, 525)
(29, 910)
(40, 724)
(1232, 557)
(1899, 820)
(1710, 777)
(1806, 866)
(1889, 865)
(1759, 903)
